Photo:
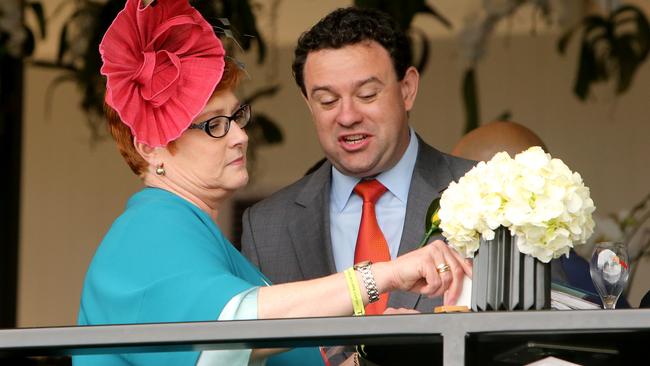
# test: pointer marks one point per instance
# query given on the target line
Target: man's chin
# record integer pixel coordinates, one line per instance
(358, 170)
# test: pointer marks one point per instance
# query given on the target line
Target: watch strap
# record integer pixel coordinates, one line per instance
(368, 280)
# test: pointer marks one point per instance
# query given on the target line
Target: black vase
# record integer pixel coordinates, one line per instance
(505, 279)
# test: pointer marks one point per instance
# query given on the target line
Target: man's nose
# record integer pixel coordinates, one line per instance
(349, 113)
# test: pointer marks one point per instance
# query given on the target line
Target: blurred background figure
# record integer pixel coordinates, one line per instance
(481, 144)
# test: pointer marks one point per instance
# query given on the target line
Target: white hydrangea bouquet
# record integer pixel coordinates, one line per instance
(537, 197)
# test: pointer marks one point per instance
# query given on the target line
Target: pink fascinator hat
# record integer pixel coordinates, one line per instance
(162, 63)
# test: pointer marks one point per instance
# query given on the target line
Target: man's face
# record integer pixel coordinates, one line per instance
(359, 107)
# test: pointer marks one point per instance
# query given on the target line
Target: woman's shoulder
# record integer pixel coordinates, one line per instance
(161, 215)
(157, 206)
(155, 198)
(157, 223)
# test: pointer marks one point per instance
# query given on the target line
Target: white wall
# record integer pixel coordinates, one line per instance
(73, 188)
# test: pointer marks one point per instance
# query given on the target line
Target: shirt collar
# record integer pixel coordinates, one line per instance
(393, 179)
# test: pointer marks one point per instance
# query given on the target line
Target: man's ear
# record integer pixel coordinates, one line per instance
(409, 86)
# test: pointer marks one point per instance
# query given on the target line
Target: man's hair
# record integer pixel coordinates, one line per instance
(348, 26)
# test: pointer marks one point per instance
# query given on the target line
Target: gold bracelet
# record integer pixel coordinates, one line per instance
(355, 291)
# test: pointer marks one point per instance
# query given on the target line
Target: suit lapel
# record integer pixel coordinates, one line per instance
(431, 175)
(309, 230)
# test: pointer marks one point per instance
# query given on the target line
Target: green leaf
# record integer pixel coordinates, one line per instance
(433, 207)
(641, 28)
(421, 64)
(563, 42)
(63, 43)
(627, 62)
(470, 100)
(401, 11)
(262, 93)
(404, 11)
(430, 227)
(28, 43)
(240, 14)
(436, 14)
(586, 71)
(643, 34)
(270, 133)
(37, 8)
(594, 22)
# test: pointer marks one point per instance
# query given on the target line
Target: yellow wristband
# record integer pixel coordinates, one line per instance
(355, 291)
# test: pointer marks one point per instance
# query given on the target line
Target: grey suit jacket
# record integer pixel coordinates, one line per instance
(287, 235)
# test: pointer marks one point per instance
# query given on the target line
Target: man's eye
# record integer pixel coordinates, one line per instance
(327, 102)
(368, 96)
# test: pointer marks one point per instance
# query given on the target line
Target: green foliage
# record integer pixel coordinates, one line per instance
(237, 22)
(27, 46)
(263, 130)
(434, 206)
(470, 100)
(403, 13)
(610, 47)
(431, 221)
(37, 9)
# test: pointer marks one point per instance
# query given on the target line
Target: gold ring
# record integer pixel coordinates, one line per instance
(442, 268)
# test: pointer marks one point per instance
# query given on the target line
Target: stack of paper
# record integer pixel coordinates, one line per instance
(564, 297)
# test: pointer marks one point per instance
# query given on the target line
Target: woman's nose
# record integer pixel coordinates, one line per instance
(237, 135)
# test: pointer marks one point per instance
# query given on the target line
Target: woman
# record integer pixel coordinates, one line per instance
(179, 126)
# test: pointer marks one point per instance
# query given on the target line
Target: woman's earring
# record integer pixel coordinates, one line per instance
(160, 170)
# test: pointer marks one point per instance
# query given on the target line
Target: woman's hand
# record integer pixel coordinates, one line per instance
(424, 271)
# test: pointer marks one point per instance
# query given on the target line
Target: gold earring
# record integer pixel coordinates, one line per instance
(160, 170)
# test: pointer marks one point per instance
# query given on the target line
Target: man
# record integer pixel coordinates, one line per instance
(355, 73)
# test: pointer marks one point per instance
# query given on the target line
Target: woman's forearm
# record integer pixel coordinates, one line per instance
(415, 271)
(326, 296)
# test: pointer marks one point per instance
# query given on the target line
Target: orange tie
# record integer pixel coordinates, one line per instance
(371, 244)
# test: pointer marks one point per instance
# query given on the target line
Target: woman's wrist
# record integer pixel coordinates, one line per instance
(355, 292)
(384, 276)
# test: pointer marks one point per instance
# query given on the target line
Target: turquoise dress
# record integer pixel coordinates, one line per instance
(164, 260)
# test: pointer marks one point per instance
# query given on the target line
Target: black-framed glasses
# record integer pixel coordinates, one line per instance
(218, 126)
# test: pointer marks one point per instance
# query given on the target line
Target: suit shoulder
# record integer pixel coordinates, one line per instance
(281, 199)
(459, 165)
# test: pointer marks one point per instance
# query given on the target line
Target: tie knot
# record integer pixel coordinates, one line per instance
(370, 190)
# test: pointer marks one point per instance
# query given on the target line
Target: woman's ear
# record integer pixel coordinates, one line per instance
(410, 84)
(150, 154)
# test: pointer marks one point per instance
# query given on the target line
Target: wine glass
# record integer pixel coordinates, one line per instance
(609, 269)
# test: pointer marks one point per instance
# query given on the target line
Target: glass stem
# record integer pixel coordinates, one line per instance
(609, 302)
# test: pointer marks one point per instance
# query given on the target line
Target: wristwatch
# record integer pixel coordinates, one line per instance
(368, 280)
